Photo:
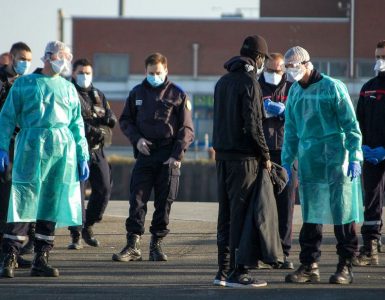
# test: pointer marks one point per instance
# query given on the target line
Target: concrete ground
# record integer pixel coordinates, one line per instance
(191, 247)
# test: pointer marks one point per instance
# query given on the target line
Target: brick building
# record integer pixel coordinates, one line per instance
(197, 49)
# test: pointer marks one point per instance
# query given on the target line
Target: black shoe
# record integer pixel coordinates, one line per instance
(156, 252)
(243, 280)
(220, 278)
(23, 263)
(344, 274)
(88, 237)
(262, 266)
(286, 264)
(368, 254)
(76, 243)
(131, 251)
(40, 266)
(9, 265)
(27, 248)
(304, 274)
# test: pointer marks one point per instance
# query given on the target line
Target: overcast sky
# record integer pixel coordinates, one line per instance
(35, 21)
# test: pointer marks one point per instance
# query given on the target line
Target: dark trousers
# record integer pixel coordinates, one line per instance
(285, 206)
(236, 180)
(310, 238)
(5, 190)
(150, 173)
(100, 181)
(16, 233)
(374, 184)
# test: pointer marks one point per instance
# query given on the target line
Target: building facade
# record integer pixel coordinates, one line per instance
(339, 35)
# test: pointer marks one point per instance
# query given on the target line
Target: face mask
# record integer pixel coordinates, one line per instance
(296, 73)
(260, 70)
(22, 66)
(380, 65)
(272, 78)
(58, 66)
(155, 80)
(84, 80)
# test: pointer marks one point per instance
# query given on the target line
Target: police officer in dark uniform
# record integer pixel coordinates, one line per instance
(98, 122)
(275, 89)
(157, 120)
(370, 114)
(21, 56)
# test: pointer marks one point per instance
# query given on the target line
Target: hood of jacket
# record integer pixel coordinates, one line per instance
(240, 64)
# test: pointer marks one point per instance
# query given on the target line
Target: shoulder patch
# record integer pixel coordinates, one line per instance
(188, 104)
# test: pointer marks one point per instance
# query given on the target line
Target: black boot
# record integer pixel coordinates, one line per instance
(344, 274)
(40, 266)
(131, 251)
(305, 273)
(23, 263)
(9, 265)
(28, 247)
(76, 242)
(156, 252)
(88, 237)
(368, 254)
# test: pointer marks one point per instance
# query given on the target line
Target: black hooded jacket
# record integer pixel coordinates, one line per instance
(238, 132)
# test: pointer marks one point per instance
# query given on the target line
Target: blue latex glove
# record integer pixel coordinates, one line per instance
(366, 151)
(4, 160)
(378, 153)
(354, 170)
(84, 170)
(274, 108)
(288, 170)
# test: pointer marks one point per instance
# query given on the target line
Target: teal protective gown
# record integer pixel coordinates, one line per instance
(51, 142)
(322, 131)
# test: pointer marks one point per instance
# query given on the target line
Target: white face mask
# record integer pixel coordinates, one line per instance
(84, 80)
(272, 78)
(260, 70)
(380, 65)
(295, 73)
(58, 66)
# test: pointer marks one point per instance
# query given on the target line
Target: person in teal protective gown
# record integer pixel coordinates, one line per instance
(51, 155)
(322, 131)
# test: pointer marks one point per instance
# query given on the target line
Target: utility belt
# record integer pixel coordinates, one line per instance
(157, 144)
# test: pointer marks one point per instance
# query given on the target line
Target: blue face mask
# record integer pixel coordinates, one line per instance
(22, 66)
(155, 80)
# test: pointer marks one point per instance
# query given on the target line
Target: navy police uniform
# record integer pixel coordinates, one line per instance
(370, 114)
(162, 115)
(273, 128)
(98, 122)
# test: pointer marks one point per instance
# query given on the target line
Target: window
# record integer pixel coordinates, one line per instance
(111, 67)
(365, 68)
(203, 106)
(332, 67)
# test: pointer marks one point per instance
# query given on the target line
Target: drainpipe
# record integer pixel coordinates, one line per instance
(352, 12)
(195, 48)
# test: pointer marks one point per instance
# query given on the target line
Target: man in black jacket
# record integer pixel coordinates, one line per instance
(241, 149)
(275, 88)
(157, 120)
(370, 114)
(98, 122)
(20, 57)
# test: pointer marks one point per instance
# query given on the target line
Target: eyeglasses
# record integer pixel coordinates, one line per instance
(268, 70)
(295, 65)
(380, 56)
(62, 55)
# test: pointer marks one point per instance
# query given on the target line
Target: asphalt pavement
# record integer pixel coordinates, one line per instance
(90, 273)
